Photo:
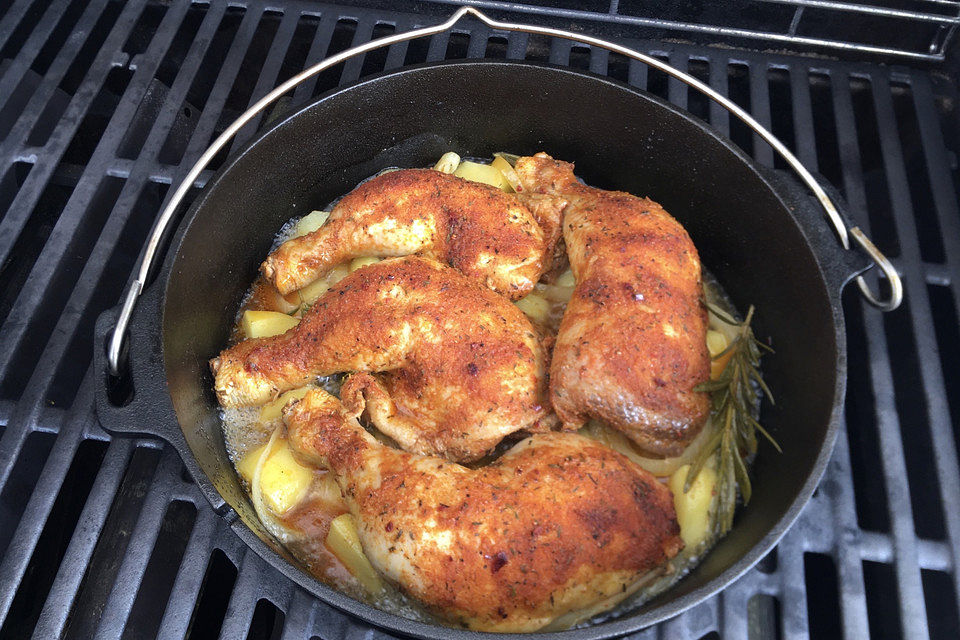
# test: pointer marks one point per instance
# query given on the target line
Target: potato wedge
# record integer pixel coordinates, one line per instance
(263, 324)
(283, 481)
(273, 410)
(447, 163)
(716, 343)
(509, 174)
(566, 279)
(344, 541)
(693, 507)
(356, 263)
(310, 223)
(485, 173)
(536, 307)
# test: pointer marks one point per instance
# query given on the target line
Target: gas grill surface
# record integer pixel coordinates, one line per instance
(105, 104)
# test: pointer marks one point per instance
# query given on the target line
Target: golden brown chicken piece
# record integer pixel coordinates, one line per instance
(459, 366)
(632, 343)
(478, 229)
(557, 524)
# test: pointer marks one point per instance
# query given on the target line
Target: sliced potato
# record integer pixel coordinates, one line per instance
(716, 343)
(310, 223)
(555, 293)
(566, 279)
(337, 274)
(272, 410)
(693, 507)
(312, 292)
(283, 480)
(248, 463)
(508, 172)
(356, 263)
(263, 324)
(344, 541)
(485, 173)
(536, 307)
(447, 163)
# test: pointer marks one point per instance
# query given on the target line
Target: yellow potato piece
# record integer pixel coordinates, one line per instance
(485, 173)
(566, 279)
(337, 274)
(716, 343)
(263, 324)
(504, 167)
(344, 542)
(310, 223)
(283, 480)
(693, 507)
(447, 163)
(356, 263)
(248, 463)
(272, 410)
(555, 293)
(536, 307)
(312, 292)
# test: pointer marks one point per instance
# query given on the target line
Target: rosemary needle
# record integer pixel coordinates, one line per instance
(733, 397)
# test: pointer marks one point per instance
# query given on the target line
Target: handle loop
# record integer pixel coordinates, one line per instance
(115, 344)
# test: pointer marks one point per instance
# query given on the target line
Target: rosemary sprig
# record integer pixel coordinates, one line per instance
(733, 397)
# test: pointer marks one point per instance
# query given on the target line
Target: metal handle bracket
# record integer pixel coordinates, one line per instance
(114, 347)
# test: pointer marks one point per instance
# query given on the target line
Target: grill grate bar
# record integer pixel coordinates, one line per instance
(268, 74)
(937, 412)
(53, 617)
(186, 589)
(142, 540)
(31, 48)
(12, 224)
(318, 48)
(848, 557)
(29, 300)
(243, 601)
(11, 20)
(17, 555)
(853, 604)
(912, 610)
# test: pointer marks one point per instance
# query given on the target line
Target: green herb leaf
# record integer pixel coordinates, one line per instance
(733, 398)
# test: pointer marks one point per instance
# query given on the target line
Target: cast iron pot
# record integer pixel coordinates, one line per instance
(757, 230)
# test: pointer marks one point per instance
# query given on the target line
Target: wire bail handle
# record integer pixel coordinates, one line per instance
(115, 344)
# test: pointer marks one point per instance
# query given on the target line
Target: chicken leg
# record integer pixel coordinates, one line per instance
(478, 229)
(632, 343)
(557, 524)
(456, 366)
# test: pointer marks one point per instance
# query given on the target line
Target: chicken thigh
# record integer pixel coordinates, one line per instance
(456, 366)
(632, 343)
(478, 229)
(557, 524)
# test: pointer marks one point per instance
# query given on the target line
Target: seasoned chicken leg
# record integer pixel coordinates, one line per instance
(478, 229)
(632, 343)
(559, 523)
(459, 366)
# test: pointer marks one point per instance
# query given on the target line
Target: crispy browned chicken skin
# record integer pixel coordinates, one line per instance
(457, 367)
(559, 523)
(483, 232)
(632, 343)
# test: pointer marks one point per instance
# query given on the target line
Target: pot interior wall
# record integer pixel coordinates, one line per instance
(619, 139)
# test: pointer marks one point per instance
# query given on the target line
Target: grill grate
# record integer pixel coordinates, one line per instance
(103, 105)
